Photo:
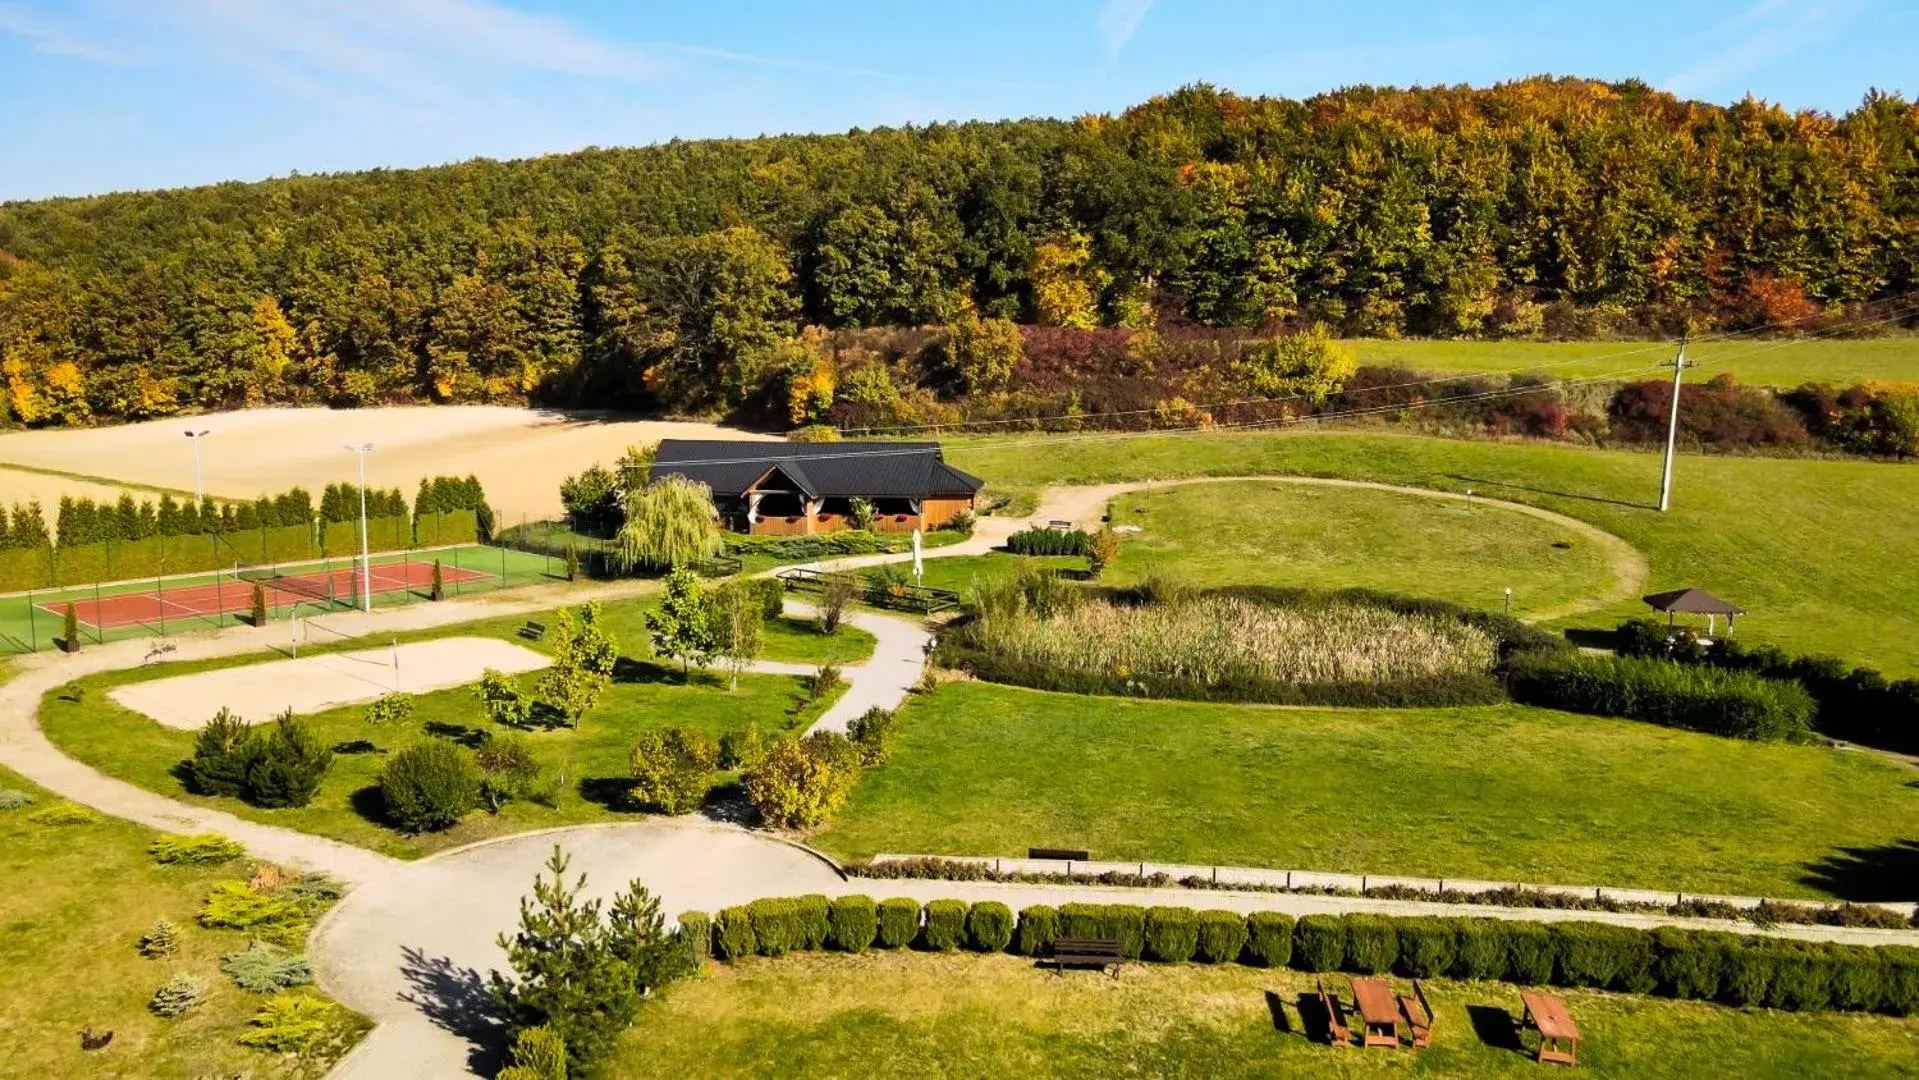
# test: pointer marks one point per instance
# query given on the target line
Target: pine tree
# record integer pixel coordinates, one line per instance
(259, 604)
(70, 631)
(439, 581)
(160, 942)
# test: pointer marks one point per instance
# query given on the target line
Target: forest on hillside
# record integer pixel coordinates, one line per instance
(724, 276)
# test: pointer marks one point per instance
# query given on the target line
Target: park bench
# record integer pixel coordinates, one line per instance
(1337, 1033)
(1067, 854)
(1419, 1016)
(533, 631)
(1096, 953)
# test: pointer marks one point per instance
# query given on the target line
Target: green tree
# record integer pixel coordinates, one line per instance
(682, 627)
(584, 657)
(738, 619)
(669, 523)
(1308, 364)
(981, 353)
(672, 769)
(799, 784)
(716, 304)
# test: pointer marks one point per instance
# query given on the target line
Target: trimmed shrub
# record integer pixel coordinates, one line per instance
(1482, 952)
(1731, 703)
(1319, 943)
(1801, 975)
(289, 765)
(1172, 934)
(1221, 937)
(1603, 956)
(733, 935)
(852, 922)
(945, 925)
(1372, 944)
(899, 922)
(1427, 947)
(199, 849)
(695, 940)
(815, 924)
(989, 927)
(1898, 979)
(1529, 952)
(1692, 963)
(1269, 938)
(1038, 929)
(179, 996)
(776, 925)
(1080, 921)
(429, 786)
(1858, 978)
(1039, 541)
(1108, 922)
(1748, 973)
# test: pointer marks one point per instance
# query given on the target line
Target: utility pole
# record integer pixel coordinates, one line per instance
(1672, 428)
(366, 560)
(199, 493)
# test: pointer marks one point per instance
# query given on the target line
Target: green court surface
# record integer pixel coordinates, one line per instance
(33, 620)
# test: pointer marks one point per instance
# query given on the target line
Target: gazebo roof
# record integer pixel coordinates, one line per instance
(1692, 602)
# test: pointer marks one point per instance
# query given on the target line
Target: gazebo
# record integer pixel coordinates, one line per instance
(1695, 602)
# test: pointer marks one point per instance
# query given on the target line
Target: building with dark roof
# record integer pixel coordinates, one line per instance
(798, 489)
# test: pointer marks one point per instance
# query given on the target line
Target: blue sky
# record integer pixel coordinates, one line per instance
(101, 95)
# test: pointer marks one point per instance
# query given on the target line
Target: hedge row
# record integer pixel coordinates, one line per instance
(843, 542)
(1466, 689)
(1704, 965)
(1731, 703)
(1047, 542)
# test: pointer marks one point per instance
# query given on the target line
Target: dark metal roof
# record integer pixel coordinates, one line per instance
(911, 470)
(1692, 602)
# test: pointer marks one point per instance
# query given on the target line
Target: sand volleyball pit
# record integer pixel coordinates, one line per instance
(324, 681)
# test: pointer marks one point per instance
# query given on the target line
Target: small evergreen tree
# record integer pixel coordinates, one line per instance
(538, 1053)
(289, 766)
(572, 563)
(259, 604)
(439, 581)
(70, 631)
(160, 942)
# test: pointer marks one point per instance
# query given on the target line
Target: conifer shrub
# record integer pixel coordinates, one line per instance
(1372, 944)
(160, 941)
(1319, 943)
(1269, 938)
(1172, 934)
(813, 918)
(429, 786)
(199, 849)
(1428, 947)
(852, 923)
(1221, 936)
(776, 925)
(1529, 952)
(899, 922)
(733, 935)
(177, 997)
(945, 925)
(989, 927)
(288, 768)
(1038, 929)
(1482, 952)
(1692, 963)
(264, 968)
(695, 939)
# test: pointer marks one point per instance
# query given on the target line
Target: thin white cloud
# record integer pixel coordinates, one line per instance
(1766, 32)
(22, 20)
(1117, 23)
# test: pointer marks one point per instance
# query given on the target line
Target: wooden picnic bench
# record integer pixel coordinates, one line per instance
(1419, 1016)
(1337, 1033)
(533, 631)
(1068, 854)
(1379, 1012)
(1096, 953)
(1558, 1035)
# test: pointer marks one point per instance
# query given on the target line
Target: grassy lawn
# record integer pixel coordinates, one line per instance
(76, 900)
(920, 1015)
(1820, 552)
(1775, 362)
(1503, 793)
(788, 639)
(592, 759)
(959, 573)
(1290, 534)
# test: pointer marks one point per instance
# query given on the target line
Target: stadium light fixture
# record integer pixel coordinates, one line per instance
(199, 493)
(366, 560)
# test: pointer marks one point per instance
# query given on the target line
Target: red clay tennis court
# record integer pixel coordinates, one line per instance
(235, 595)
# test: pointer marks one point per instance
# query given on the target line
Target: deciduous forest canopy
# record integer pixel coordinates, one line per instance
(683, 276)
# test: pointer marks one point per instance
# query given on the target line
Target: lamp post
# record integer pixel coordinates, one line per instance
(199, 493)
(1509, 601)
(366, 560)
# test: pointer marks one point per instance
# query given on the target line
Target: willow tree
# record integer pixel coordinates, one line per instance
(669, 523)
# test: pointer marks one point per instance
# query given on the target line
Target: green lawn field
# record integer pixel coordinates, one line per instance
(1820, 552)
(1291, 534)
(76, 900)
(1504, 793)
(948, 1015)
(592, 759)
(1769, 361)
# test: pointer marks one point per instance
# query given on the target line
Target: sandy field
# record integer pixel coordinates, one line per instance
(520, 455)
(311, 684)
(23, 487)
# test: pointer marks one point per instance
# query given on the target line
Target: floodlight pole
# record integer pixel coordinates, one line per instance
(366, 559)
(1672, 428)
(199, 493)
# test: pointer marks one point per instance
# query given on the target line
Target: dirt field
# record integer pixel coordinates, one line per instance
(520, 455)
(23, 487)
(312, 684)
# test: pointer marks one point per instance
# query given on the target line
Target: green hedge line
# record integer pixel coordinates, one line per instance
(1731, 703)
(156, 556)
(1704, 965)
(1047, 542)
(843, 542)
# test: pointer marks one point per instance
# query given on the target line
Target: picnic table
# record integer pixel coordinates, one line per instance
(1558, 1035)
(1380, 1011)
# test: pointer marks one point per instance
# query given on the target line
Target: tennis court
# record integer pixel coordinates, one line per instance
(234, 595)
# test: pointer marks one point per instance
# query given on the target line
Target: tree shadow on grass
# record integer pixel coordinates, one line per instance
(457, 1001)
(1480, 482)
(726, 802)
(1861, 874)
(610, 793)
(369, 804)
(470, 737)
(1494, 1027)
